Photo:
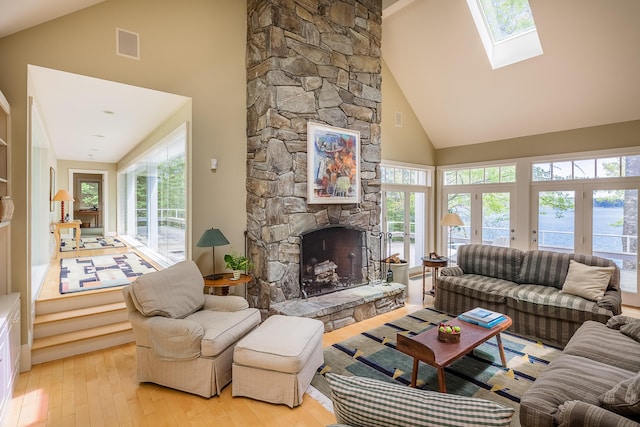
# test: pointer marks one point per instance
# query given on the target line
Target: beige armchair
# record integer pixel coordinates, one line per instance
(184, 338)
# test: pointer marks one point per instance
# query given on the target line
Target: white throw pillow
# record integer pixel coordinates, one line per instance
(587, 281)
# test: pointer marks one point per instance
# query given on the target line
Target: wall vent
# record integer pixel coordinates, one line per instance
(127, 43)
(398, 119)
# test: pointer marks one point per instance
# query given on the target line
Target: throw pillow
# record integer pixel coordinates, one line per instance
(624, 397)
(174, 292)
(632, 330)
(587, 281)
(364, 402)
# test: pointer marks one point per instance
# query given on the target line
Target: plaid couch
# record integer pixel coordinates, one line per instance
(594, 382)
(526, 286)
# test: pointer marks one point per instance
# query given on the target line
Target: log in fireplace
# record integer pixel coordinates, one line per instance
(333, 258)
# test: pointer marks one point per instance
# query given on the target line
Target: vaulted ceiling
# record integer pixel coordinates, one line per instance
(588, 74)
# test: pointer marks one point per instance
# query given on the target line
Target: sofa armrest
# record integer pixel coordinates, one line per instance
(451, 271)
(224, 303)
(580, 414)
(174, 339)
(612, 301)
(616, 322)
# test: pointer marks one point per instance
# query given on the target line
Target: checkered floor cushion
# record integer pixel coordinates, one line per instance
(364, 402)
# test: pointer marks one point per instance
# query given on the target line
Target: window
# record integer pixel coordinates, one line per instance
(483, 175)
(89, 194)
(403, 175)
(607, 167)
(153, 199)
(507, 30)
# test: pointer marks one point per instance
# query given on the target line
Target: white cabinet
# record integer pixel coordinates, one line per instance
(9, 348)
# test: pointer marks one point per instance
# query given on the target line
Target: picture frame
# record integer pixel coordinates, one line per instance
(333, 165)
(52, 188)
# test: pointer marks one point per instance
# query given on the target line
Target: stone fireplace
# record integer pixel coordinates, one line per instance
(307, 61)
(333, 258)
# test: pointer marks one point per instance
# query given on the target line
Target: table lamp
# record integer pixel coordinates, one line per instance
(211, 238)
(451, 220)
(62, 196)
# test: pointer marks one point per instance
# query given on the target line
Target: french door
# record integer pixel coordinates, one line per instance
(487, 214)
(404, 220)
(594, 219)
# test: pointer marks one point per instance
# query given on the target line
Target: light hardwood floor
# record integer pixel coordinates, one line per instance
(99, 388)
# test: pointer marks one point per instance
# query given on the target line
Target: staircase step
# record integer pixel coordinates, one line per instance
(78, 342)
(79, 300)
(74, 320)
(79, 335)
(77, 313)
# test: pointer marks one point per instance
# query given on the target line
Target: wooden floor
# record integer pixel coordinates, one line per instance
(99, 389)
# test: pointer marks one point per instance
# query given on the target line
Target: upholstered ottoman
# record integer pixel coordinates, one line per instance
(276, 362)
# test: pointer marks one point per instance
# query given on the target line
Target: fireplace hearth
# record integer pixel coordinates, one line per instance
(333, 258)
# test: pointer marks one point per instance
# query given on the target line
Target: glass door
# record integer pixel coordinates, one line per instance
(455, 236)
(554, 220)
(405, 220)
(496, 219)
(486, 215)
(614, 234)
(593, 219)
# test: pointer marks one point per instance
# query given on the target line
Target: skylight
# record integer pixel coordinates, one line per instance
(507, 30)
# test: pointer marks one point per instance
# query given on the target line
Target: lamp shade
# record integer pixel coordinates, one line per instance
(212, 237)
(63, 196)
(451, 220)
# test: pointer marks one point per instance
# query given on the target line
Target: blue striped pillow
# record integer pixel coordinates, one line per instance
(364, 402)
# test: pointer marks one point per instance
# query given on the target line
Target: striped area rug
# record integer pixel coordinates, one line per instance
(480, 374)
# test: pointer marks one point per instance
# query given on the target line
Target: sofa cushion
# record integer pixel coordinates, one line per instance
(587, 281)
(576, 413)
(624, 397)
(568, 377)
(493, 261)
(595, 341)
(174, 292)
(222, 329)
(549, 302)
(550, 268)
(481, 288)
(364, 402)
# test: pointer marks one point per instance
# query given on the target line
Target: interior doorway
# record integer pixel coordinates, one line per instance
(90, 205)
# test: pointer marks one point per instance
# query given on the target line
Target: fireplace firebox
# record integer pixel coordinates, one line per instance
(333, 258)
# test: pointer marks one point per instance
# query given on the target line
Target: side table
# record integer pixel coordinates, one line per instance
(225, 282)
(58, 226)
(434, 264)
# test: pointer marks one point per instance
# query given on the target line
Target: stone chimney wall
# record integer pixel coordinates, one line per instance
(307, 60)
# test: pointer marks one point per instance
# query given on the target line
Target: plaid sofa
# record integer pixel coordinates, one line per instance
(594, 382)
(526, 286)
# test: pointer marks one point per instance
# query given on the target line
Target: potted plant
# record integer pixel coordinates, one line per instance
(237, 262)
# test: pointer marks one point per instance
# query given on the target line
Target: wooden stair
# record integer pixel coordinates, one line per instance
(79, 323)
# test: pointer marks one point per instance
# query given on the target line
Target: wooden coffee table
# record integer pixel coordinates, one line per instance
(427, 348)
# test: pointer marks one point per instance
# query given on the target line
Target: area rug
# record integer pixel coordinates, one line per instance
(480, 374)
(68, 245)
(97, 272)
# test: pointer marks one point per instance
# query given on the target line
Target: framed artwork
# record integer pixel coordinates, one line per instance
(52, 188)
(333, 164)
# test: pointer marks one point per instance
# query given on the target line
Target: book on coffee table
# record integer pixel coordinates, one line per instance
(482, 317)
